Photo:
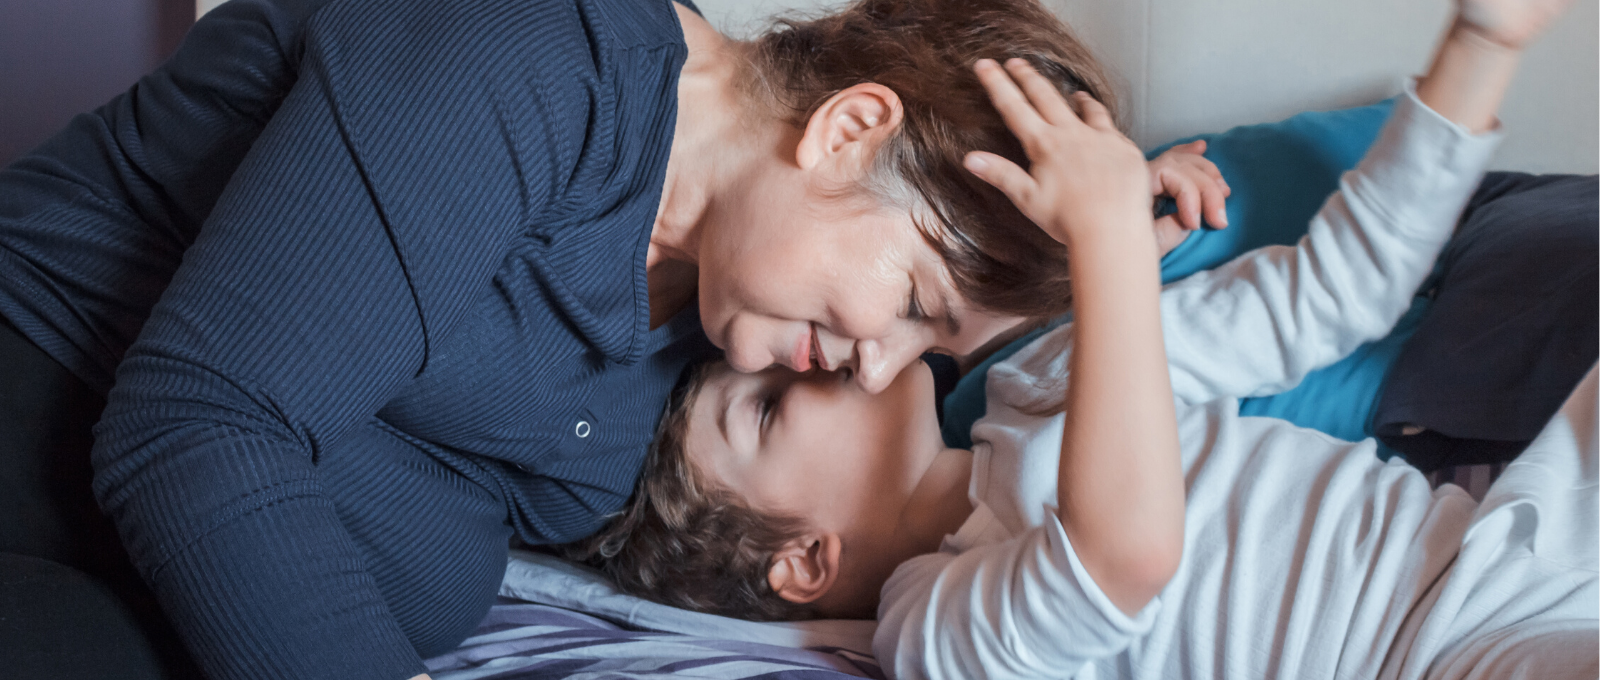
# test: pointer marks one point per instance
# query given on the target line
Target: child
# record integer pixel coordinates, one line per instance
(1128, 522)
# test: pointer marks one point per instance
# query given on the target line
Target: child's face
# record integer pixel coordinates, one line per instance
(819, 447)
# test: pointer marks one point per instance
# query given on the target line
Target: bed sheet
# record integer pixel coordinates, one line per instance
(556, 620)
(525, 641)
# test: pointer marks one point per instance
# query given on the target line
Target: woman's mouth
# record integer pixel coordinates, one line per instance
(804, 353)
(818, 359)
(807, 353)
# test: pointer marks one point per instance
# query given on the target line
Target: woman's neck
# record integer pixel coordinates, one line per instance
(706, 152)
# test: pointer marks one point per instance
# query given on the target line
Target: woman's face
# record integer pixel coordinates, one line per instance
(792, 276)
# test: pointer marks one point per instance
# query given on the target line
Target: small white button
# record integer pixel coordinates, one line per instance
(582, 430)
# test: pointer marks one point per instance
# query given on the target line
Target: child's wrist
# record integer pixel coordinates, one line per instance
(1109, 219)
(1133, 231)
(1118, 258)
(1482, 39)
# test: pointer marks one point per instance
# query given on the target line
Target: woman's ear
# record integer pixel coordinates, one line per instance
(806, 568)
(849, 126)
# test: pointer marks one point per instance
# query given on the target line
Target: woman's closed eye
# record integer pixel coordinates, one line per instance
(914, 311)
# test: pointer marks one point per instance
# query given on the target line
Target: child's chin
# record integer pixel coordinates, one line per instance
(919, 384)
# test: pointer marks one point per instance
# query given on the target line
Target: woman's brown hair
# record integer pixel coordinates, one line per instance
(924, 51)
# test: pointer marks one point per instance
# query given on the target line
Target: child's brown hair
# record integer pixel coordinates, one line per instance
(686, 541)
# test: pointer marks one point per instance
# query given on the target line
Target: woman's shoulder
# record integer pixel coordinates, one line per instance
(483, 32)
(483, 76)
(532, 96)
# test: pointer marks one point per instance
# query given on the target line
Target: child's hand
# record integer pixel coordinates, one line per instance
(1183, 174)
(1086, 176)
(1511, 23)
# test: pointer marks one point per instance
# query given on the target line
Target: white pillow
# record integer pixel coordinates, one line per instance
(548, 580)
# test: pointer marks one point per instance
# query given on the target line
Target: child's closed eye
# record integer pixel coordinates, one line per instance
(766, 407)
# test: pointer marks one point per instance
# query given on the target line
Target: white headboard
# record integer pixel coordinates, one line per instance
(1192, 66)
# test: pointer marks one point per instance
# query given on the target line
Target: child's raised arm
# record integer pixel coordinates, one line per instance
(1120, 492)
(1372, 244)
(1479, 55)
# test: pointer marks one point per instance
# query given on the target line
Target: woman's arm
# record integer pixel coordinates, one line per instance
(365, 220)
(94, 222)
(1120, 484)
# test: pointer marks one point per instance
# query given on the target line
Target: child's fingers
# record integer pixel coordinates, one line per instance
(1094, 113)
(1187, 195)
(1185, 192)
(1197, 158)
(1169, 232)
(1004, 175)
(1193, 154)
(1210, 169)
(1046, 99)
(1196, 192)
(1019, 115)
(1214, 200)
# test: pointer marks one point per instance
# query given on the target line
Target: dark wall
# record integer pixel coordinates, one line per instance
(59, 58)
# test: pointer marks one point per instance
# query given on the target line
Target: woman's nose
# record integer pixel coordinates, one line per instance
(877, 364)
(749, 361)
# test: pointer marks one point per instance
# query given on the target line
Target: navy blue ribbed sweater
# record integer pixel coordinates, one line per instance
(412, 323)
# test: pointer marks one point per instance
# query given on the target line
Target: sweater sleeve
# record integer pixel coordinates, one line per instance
(1258, 324)
(374, 206)
(1020, 608)
(94, 222)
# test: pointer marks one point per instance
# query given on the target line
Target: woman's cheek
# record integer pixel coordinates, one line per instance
(719, 310)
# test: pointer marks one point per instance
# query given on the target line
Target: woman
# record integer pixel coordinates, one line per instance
(381, 284)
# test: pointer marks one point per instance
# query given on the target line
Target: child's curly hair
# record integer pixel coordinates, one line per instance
(685, 541)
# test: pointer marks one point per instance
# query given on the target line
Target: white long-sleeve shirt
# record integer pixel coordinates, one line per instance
(1305, 556)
